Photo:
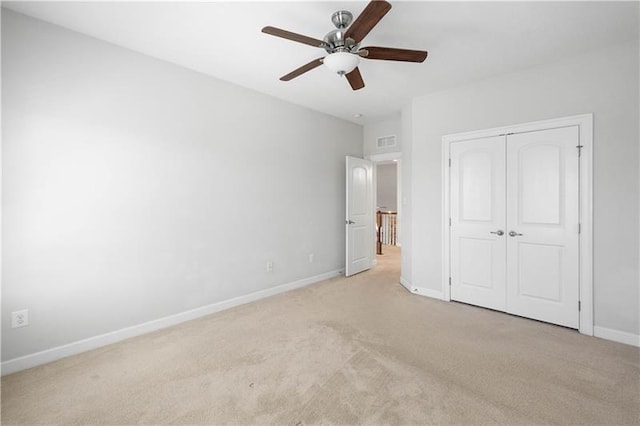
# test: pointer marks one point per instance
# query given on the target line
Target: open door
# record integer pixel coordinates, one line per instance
(359, 216)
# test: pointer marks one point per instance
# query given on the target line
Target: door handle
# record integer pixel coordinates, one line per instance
(499, 232)
(349, 222)
(514, 234)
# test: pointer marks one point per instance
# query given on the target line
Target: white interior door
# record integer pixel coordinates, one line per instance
(359, 216)
(542, 222)
(477, 228)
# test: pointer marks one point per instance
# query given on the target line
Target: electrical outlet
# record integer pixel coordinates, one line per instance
(312, 257)
(20, 318)
(269, 266)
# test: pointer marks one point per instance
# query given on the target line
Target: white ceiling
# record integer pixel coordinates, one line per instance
(466, 41)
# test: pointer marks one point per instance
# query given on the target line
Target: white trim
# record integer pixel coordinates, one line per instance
(446, 214)
(616, 335)
(574, 120)
(585, 124)
(405, 283)
(53, 354)
(433, 294)
(387, 156)
(427, 292)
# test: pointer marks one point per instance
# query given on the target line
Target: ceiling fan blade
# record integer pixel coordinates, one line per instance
(299, 71)
(355, 79)
(392, 54)
(370, 16)
(293, 36)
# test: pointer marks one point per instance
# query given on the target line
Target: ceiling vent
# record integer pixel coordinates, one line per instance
(387, 141)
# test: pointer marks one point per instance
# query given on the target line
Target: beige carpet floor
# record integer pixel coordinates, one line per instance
(360, 350)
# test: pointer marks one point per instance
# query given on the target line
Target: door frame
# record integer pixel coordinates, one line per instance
(585, 237)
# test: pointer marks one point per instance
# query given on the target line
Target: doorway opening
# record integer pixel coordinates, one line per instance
(386, 206)
(369, 222)
(388, 209)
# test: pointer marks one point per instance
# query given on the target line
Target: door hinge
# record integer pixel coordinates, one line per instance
(579, 149)
(579, 306)
(449, 162)
(449, 281)
(449, 221)
(579, 228)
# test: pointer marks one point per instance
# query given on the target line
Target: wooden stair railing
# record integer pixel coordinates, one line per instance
(386, 229)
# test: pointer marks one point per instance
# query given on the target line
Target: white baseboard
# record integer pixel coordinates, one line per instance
(427, 292)
(405, 283)
(616, 335)
(53, 354)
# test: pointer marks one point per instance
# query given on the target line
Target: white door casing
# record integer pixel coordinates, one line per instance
(572, 159)
(477, 222)
(359, 216)
(542, 220)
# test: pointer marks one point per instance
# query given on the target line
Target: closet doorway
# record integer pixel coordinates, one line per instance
(517, 233)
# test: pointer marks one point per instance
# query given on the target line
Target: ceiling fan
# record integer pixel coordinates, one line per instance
(343, 44)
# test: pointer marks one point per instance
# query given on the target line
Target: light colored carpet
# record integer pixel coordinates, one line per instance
(359, 350)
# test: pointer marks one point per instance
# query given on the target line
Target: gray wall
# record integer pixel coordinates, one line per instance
(386, 186)
(605, 83)
(134, 189)
(384, 127)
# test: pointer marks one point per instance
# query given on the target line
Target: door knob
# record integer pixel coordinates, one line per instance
(349, 222)
(514, 234)
(499, 232)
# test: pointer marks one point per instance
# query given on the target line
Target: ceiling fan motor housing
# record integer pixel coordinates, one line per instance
(335, 40)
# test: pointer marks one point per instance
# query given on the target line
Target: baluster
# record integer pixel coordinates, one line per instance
(378, 231)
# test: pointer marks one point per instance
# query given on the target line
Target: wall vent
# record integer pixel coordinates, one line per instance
(387, 141)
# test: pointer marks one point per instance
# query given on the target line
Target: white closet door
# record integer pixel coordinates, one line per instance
(477, 219)
(542, 221)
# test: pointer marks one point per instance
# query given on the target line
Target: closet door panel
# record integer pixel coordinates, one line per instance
(542, 220)
(477, 214)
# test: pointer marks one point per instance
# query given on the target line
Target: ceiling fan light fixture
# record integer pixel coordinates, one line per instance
(341, 62)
